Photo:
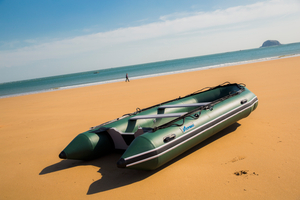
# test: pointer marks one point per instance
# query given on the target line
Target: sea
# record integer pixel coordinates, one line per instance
(103, 76)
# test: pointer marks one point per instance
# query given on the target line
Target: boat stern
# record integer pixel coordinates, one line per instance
(86, 146)
(141, 154)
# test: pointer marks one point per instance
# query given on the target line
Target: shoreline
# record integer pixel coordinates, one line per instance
(154, 75)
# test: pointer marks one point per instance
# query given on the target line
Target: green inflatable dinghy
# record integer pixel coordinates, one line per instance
(153, 136)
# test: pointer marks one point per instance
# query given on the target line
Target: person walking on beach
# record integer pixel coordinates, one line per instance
(127, 79)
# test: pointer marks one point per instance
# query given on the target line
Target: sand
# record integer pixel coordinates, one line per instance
(256, 158)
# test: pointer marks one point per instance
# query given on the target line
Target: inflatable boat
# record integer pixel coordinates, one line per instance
(153, 136)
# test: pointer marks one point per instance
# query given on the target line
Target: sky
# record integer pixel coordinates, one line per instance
(40, 38)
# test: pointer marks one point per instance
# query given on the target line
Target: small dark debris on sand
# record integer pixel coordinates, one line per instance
(239, 173)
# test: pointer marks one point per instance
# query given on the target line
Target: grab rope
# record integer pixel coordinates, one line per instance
(199, 109)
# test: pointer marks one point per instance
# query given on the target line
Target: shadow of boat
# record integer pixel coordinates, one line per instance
(113, 177)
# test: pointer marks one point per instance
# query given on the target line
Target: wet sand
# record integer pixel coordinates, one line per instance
(256, 158)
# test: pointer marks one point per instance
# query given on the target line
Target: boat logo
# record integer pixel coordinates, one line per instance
(187, 127)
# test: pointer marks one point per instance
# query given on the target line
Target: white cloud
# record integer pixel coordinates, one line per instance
(169, 27)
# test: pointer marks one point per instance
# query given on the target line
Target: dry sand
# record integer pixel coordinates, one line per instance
(35, 128)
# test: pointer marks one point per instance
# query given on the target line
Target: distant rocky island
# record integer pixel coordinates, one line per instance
(269, 43)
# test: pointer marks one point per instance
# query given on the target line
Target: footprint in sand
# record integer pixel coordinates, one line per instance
(238, 158)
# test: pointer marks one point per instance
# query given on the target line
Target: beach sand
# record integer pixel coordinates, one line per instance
(35, 128)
